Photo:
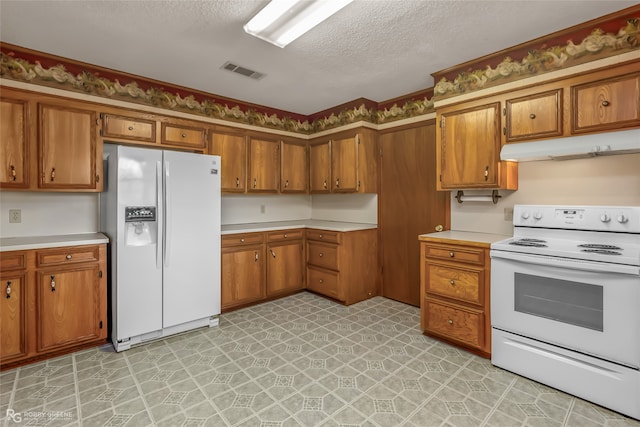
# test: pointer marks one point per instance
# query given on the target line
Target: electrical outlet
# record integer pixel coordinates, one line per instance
(15, 216)
(508, 214)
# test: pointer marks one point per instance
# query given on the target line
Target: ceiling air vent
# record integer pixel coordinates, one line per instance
(242, 71)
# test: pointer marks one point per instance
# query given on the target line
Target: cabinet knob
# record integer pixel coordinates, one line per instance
(242, 240)
(450, 322)
(321, 236)
(605, 103)
(532, 116)
(8, 289)
(321, 281)
(285, 235)
(12, 172)
(53, 283)
(439, 227)
(130, 128)
(452, 282)
(184, 135)
(452, 254)
(68, 256)
(53, 174)
(320, 254)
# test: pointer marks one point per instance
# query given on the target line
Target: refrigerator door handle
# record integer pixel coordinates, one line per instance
(159, 217)
(167, 214)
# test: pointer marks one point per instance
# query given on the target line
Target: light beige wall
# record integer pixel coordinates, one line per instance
(612, 180)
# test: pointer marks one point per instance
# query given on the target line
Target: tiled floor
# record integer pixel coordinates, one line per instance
(297, 361)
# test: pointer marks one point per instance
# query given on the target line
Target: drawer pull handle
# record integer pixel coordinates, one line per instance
(241, 240)
(532, 116)
(285, 235)
(450, 322)
(273, 254)
(452, 282)
(286, 184)
(451, 254)
(320, 254)
(13, 172)
(324, 184)
(321, 281)
(321, 236)
(53, 174)
(53, 283)
(68, 256)
(255, 182)
(256, 256)
(131, 128)
(486, 173)
(338, 183)
(9, 289)
(605, 103)
(237, 182)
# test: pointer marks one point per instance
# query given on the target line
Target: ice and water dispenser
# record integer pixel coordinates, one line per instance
(141, 225)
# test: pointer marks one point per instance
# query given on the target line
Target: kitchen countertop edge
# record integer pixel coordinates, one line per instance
(287, 225)
(55, 241)
(463, 237)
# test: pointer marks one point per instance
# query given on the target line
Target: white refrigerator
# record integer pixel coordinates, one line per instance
(161, 211)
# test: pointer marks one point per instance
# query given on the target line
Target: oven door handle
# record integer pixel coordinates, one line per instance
(574, 264)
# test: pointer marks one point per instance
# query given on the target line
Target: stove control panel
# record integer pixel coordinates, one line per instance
(595, 218)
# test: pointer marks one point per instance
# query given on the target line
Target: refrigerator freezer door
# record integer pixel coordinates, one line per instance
(138, 296)
(192, 240)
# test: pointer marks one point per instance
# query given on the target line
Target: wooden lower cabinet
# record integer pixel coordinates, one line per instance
(455, 294)
(285, 265)
(242, 275)
(342, 265)
(55, 301)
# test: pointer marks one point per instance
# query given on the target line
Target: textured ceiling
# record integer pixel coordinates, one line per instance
(376, 49)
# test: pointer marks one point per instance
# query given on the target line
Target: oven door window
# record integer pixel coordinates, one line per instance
(574, 303)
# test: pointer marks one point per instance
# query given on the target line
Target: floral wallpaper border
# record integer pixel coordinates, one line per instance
(24, 65)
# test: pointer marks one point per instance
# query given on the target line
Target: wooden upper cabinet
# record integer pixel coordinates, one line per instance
(320, 167)
(232, 149)
(67, 148)
(14, 150)
(264, 165)
(293, 167)
(534, 116)
(184, 135)
(120, 127)
(612, 103)
(468, 149)
(344, 164)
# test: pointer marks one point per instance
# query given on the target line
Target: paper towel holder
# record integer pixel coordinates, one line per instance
(493, 197)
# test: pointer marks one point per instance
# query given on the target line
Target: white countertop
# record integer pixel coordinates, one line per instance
(454, 236)
(42, 242)
(305, 223)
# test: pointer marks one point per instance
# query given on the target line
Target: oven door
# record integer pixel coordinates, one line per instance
(589, 307)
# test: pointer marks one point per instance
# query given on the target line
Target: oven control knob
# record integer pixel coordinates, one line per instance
(525, 215)
(605, 218)
(537, 215)
(622, 218)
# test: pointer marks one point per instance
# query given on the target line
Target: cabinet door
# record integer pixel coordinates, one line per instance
(606, 104)
(242, 275)
(535, 116)
(13, 310)
(184, 136)
(320, 167)
(264, 165)
(285, 268)
(232, 149)
(293, 164)
(69, 307)
(344, 164)
(67, 148)
(470, 147)
(14, 135)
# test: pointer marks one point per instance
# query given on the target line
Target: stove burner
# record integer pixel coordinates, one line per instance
(529, 242)
(601, 251)
(527, 239)
(599, 246)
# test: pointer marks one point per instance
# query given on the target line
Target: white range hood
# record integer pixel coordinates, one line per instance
(575, 147)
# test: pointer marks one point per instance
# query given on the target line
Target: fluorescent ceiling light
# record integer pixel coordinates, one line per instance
(282, 21)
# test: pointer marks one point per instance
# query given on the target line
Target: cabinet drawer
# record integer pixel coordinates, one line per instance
(323, 235)
(69, 255)
(456, 253)
(322, 255)
(462, 284)
(128, 128)
(184, 135)
(323, 282)
(242, 239)
(457, 323)
(281, 235)
(13, 261)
